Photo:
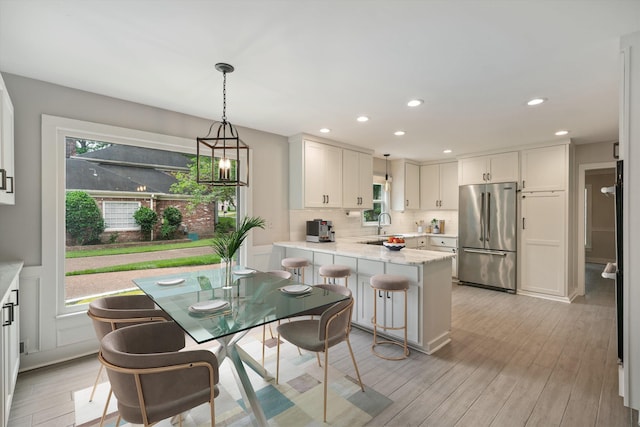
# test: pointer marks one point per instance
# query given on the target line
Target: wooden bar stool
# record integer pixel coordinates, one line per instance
(296, 266)
(335, 271)
(389, 283)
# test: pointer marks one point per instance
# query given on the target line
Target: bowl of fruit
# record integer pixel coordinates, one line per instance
(394, 243)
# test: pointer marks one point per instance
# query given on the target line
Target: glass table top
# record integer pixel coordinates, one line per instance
(206, 310)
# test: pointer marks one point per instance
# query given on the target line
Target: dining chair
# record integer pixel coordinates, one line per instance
(318, 335)
(110, 313)
(152, 379)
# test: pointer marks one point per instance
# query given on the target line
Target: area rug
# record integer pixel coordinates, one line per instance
(296, 401)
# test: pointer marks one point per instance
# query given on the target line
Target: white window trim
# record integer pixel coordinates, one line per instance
(54, 130)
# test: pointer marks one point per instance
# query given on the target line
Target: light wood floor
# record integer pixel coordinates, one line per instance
(514, 361)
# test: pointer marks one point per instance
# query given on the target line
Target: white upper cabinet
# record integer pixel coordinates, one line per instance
(315, 175)
(7, 171)
(502, 167)
(544, 169)
(439, 186)
(357, 180)
(405, 187)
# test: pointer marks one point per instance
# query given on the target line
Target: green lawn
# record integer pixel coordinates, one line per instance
(162, 263)
(137, 249)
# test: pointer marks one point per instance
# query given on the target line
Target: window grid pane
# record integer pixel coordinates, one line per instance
(119, 215)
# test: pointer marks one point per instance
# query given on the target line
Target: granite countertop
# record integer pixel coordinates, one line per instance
(8, 272)
(375, 237)
(372, 252)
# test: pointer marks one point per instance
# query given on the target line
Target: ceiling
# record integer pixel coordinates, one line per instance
(303, 65)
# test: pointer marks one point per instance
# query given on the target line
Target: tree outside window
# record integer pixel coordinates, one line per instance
(370, 216)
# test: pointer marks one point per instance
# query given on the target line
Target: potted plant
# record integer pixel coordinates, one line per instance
(226, 245)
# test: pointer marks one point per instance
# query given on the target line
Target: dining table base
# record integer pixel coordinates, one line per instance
(230, 349)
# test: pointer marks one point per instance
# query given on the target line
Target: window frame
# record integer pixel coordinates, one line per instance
(55, 130)
(134, 226)
(384, 202)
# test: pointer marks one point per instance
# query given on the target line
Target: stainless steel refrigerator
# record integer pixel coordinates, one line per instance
(487, 219)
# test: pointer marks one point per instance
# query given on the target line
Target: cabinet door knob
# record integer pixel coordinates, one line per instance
(484, 176)
(10, 191)
(3, 179)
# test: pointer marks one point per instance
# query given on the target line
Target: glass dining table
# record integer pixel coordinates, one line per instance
(207, 310)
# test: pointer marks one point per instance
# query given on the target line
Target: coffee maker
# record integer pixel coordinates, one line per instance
(320, 230)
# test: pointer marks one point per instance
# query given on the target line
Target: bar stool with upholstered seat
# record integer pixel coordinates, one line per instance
(296, 266)
(389, 283)
(335, 271)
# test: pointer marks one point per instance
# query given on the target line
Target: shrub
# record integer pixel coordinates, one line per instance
(173, 216)
(171, 220)
(146, 218)
(225, 225)
(83, 218)
(167, 231)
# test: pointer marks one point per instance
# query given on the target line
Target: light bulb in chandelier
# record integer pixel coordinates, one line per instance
(224, 169)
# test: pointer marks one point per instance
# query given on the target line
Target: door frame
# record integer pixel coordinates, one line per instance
(582, 169)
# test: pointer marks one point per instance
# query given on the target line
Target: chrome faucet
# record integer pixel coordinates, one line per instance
(380, 220)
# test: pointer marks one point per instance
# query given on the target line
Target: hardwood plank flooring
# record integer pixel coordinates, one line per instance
(513, 361)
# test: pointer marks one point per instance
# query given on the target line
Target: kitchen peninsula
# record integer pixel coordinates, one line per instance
(429, 297)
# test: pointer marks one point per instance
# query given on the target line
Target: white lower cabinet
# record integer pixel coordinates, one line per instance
(543, 249)
(9, 339)
(366, 270)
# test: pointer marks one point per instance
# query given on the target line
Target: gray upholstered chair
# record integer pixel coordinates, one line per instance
(151, 378)
(318, 335)
(111, 313)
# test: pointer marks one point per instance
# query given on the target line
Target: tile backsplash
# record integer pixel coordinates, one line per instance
(351, 225)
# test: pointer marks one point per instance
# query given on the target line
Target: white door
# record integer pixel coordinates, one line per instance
(472, 170)
(365, 167)
(332, 176)
(314, 195)
(412, 186)
(350, 179)
(503, 167)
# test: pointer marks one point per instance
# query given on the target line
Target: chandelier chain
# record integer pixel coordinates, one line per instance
(224, 97)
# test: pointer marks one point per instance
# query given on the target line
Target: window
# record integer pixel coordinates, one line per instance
(119, 215)
(380, 197)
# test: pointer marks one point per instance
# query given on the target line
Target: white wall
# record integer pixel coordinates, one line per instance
(52, 337)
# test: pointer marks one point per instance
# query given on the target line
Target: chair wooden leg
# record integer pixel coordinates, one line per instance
(355, 365)
(326, 368)
(106, 406)
(118, 420)
(270, 331)
(264, 336)
(95, 384)
(318, 357)
(278, 361)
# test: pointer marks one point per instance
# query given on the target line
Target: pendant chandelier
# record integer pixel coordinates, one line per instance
(387, 185)
(222, 159)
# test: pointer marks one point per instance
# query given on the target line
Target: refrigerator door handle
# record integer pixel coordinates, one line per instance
(480, 251)
(488, 217)
(482, 218)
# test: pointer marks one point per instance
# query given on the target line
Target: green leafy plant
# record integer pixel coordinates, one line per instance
(225, 225)
(226, 245)
(146, 218)
(83, 218)
(171, 220)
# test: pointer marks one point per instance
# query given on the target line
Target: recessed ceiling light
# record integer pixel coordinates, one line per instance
(415, 102)
(562, 132)
(362, 119)
(399, 133)
(536, 101)
(447, 151)
(325, 130)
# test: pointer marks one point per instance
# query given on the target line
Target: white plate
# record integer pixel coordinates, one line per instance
(244, 272)
(208, 306)
(295, 289)
(170, 282)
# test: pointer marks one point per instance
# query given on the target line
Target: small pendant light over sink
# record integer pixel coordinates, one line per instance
(387, 184)
(222, 158)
